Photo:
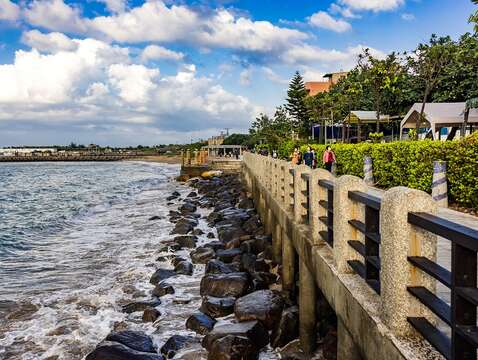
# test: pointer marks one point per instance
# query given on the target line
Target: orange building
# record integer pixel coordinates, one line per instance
(316, 87)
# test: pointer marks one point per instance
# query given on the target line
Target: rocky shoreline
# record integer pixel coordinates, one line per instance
(243, 311)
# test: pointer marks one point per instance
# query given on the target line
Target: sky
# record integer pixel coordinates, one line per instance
(130, 72)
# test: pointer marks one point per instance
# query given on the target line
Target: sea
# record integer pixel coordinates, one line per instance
(76, 244)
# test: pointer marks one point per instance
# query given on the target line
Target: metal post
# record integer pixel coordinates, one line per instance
(367, 170)
(439, 184)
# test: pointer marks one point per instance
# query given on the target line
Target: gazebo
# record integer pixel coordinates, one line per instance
(360, 117)
(437, 116)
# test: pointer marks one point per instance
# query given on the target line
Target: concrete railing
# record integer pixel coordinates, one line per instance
(372, 259)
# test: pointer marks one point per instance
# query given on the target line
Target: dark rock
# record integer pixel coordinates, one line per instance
(140, 306)
(182, 228)
(233, 347)
(186, 241)
(287, 329)
(202, 255)
(108, 350)
(175, 193)
(215, 266)
(169, 247)
(192, 194)
(162, 289)
(262, 280)
(251, 264)
(197, 232)
(151, 315)
(253, 330)
(214, 218)
(155, 218)
(177, 259)
(210, 235)
(225, 285)
(263, 305)
(135, 340)
(175, 343)
(160, 275)
(200, 323)
(252, 225)
(171, 198)
(164, 258)
(228, 255)
(246, 203)
(217, 307)
(227, 233)
(187, 208)
(215, 245)
(184, 268)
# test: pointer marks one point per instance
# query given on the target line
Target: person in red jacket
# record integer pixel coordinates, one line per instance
(328, 158)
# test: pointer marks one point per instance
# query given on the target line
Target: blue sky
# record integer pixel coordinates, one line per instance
(162, 71)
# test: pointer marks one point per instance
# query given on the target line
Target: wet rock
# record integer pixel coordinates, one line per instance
(140, 306)
(20, 311)
(156, 217)
(186, 241)
(169, 247)
(287, 329)
(246, 203)
(210, 235)
(182, 228)
(162, 289)
(109, 350)
(192, 194)
(252, 225)
(176, 343)
(197, 232)
(217, 307)
(262, 280)
(135, 340)
(215, 245)
(187, 208)
(160, 275)
(184, 268)
(171, 198)
(151, 315)
(215, 266)
(202, 255)
(251, 264)
(225, 285)
(228, 255)
(200, 323)
(227, 233)
(253, 330)
(177, 259)
(164, 258)
(213, 218)
(263, 305)
(233, 347)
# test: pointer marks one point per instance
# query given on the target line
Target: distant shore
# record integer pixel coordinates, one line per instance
(167, 159)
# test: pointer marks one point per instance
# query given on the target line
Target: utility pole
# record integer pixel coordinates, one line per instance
(227, 131)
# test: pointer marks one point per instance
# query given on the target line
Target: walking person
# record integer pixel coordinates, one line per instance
(295, 157)
(314, 159)
(328, 158)
(309, 157)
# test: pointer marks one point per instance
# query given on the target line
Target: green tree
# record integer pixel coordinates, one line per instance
(427, 63)
(474, 17)
(272, 130)
(296, 105)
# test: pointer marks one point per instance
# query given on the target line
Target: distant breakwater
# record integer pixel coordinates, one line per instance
(67, 158)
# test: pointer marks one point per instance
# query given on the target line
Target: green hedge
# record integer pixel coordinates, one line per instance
(410, 163)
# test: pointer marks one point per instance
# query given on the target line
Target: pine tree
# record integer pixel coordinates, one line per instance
(296, 105)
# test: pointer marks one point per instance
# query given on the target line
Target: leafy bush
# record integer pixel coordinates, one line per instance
(410, 163)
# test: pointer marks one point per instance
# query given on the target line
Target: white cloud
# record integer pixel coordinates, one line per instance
(323, 20)
(312, 74)
(52, 42)
(155, 52)
(408, 17)
(55, 15)
(344, 11)
(98, 88)
(9, 11)
(115, 6)
(245, 77)
(272, 76)
(372, 5)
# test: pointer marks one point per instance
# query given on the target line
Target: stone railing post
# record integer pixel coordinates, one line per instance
(399, 240)
(299, 198)
(288, 187)
(344, 210)
(316, 194)
(368, 170)
(439, 184)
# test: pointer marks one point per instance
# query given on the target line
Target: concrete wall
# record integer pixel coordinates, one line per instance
(370, 326)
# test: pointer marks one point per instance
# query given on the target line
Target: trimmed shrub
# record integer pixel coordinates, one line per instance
(410, 163)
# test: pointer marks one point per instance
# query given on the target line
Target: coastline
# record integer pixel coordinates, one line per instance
(165, 159)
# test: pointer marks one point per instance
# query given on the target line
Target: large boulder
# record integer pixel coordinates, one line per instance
(215, 245)
(182, 228)
(160, 275)
(176, 343)
(135, 340)
(187, 208)
(253, 330)
(200, 323)
(225, 285)
(252, 225)
(217, 307)
(110, 350)
(202, 255)
(215, 266)
(151, 315)
(140, 306)
(227, 256)
(233, 347)
(186, 241)
(287, 329)
(246, 203)
(263, 305)
(184, 268)
(229, 232)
